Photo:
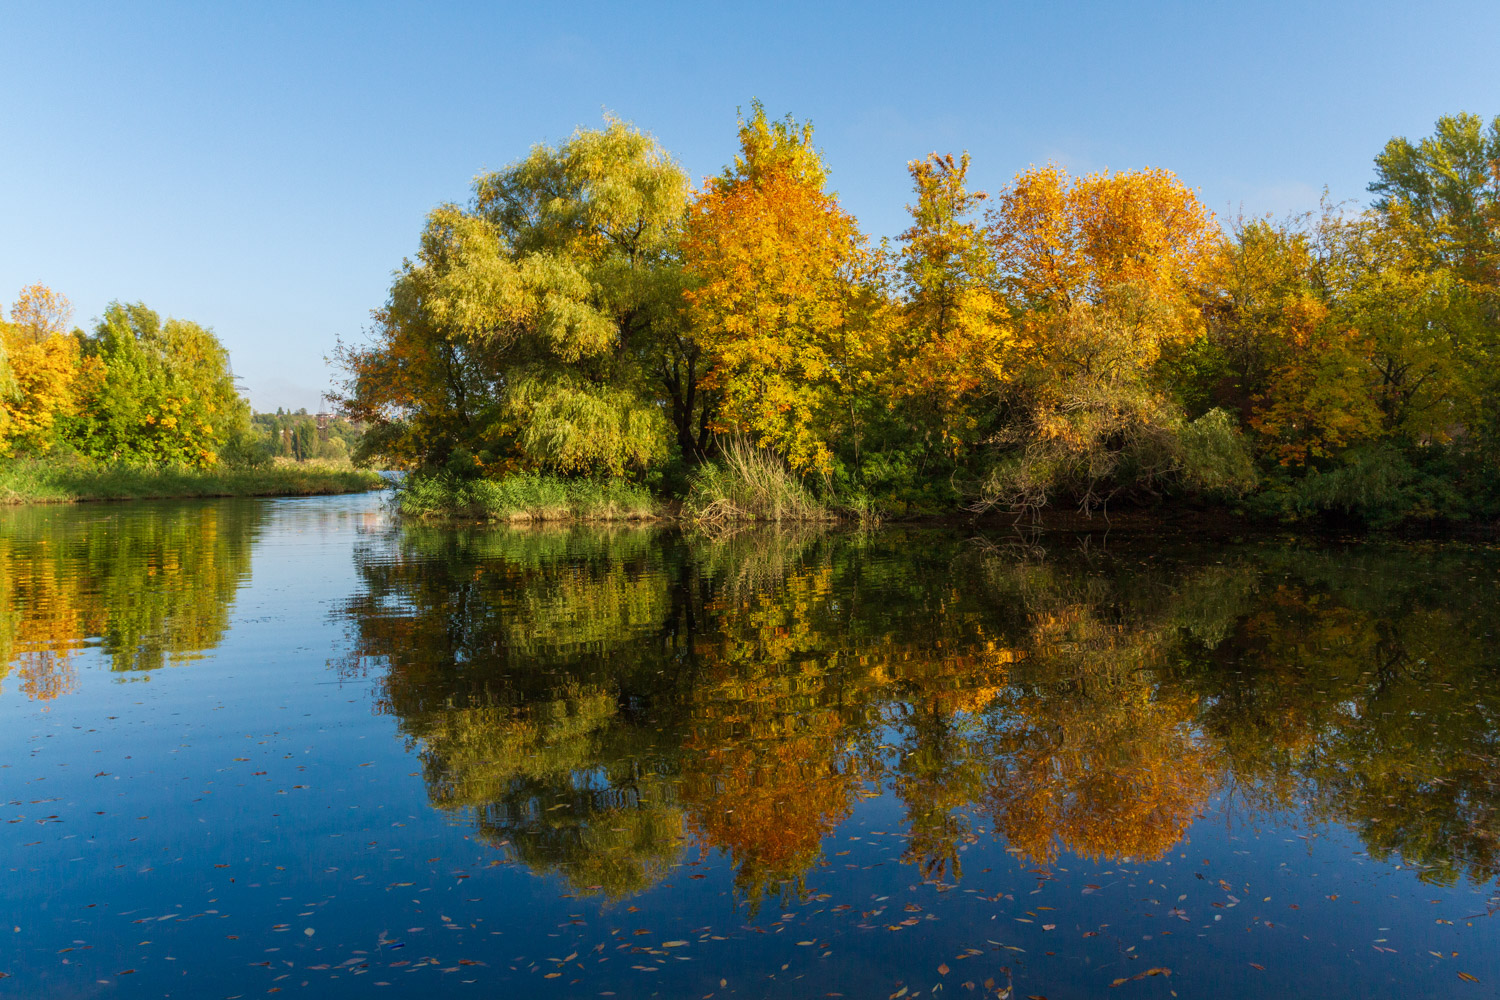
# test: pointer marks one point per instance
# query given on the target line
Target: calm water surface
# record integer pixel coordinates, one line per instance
(250, 747)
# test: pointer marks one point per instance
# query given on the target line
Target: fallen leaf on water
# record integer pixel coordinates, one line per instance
(1141, 975)
(943, 969)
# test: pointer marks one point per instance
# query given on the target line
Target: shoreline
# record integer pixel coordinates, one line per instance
(40, 483)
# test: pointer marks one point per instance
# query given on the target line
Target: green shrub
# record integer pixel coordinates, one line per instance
(1378, 486)
(750, 484)
(523, 497)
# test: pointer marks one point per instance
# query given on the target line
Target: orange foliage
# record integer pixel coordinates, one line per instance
(780, 274)
(1068, 242)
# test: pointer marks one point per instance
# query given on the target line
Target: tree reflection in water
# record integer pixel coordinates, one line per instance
(603, 703)
(150, 585)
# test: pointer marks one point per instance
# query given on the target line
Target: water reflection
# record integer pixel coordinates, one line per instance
(597, 701)
(146, 584)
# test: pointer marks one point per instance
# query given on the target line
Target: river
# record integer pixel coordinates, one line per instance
(258, 746)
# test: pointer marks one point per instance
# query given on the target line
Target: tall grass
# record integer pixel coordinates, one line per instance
(67, 481)
(750, 484)
(524, 497)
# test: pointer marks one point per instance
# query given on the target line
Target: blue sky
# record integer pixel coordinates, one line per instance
(262, 167)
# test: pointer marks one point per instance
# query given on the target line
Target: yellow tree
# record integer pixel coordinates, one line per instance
(954, 333)
(1066, 242)
(40, 370)
(784, 293)
(40, 312)
(1379, 346)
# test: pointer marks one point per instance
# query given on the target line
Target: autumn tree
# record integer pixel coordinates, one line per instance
(40, 312)
(1107, 271)
(41, 370)
(781, 295)
(536, 327)
(156, 391)
(1446, 187)
(952, 352)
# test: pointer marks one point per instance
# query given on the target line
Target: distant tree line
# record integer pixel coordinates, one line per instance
(1061, 340)
(137, 390)
(304, 436)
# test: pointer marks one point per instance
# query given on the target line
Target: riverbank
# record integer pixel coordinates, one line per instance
(33, 481)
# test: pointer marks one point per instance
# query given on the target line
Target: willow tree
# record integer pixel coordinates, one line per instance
(536, 325)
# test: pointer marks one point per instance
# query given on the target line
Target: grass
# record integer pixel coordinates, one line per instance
(525, 497)
(750, 484)
(65, 481)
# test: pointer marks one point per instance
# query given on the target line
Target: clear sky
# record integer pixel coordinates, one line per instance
(263, 167)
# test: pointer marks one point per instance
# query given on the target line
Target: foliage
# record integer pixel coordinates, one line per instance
(43, 378)
(747, 483)
(952, 352)
(39, 313)
(528, 329)
(159, 392)
(782, 295)
(1088, 340)
(1447, 187)
(523, 496)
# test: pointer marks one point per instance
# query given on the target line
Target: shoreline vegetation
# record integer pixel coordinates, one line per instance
(36, 481)
(592, 336)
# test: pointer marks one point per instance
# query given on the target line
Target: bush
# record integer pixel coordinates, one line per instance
(1379, 486)
(1215, 458)
(523, 497)
(750, 484)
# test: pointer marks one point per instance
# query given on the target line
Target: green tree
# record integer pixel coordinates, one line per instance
(1447, 186)
(535, 327)
(161, 392)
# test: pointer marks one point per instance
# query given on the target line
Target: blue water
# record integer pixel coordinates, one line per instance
(632, 762)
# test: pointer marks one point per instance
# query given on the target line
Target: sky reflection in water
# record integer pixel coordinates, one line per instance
(250, 745)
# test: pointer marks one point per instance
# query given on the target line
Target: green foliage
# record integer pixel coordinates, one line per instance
(1215, 458)
(534, 327)
(523, 497)
(163, 392)
(299, 436)
(747, 483)
(1378, 486)
(1448, 186)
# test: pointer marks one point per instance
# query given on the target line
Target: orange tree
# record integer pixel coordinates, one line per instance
(948, 353)
(782, 295)
(1105, 271)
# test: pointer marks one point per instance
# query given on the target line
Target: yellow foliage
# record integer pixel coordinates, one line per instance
(781, 305)
(47, 375)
